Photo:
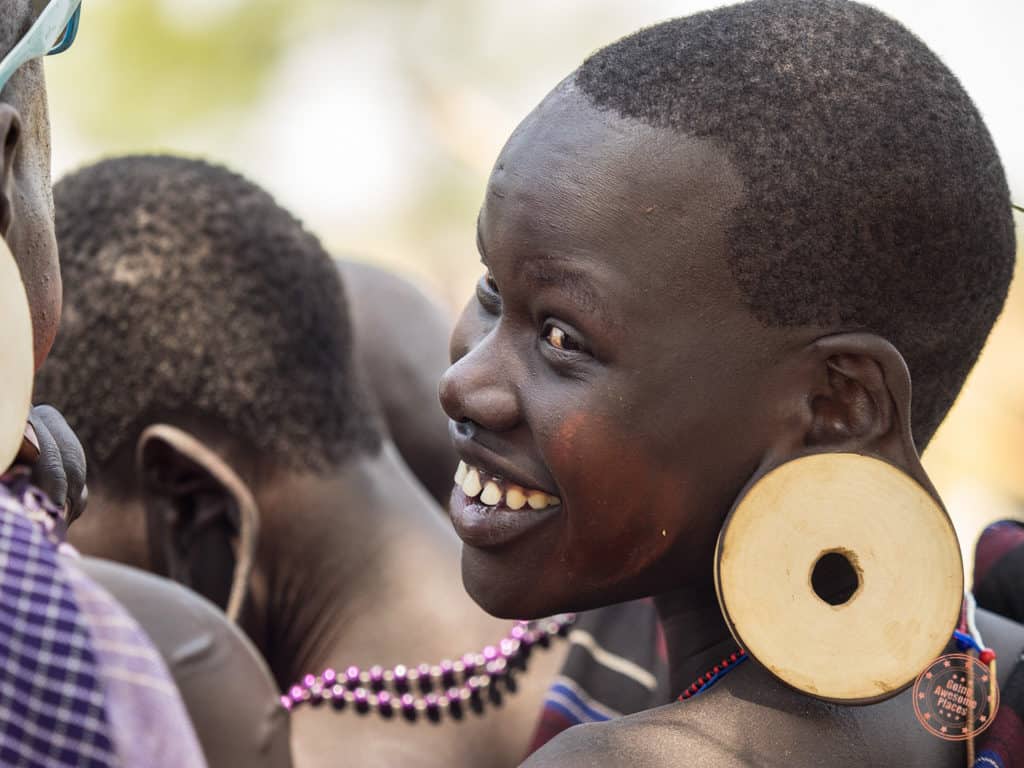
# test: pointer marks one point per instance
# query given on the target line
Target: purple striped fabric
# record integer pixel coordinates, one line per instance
(80, 684)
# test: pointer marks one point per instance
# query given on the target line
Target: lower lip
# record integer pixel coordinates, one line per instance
(489, 527)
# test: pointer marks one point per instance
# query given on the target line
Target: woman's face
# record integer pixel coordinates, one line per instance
(606, 370)
(26, 200)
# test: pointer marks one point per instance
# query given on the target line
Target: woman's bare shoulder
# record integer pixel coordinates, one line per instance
(754, 721)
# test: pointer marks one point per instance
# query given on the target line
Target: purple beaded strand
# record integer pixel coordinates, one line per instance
(365, 690)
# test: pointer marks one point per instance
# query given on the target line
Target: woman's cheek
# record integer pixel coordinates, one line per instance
(605, 485)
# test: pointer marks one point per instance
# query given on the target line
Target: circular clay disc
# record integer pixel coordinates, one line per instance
(17, 359)
(904, 554)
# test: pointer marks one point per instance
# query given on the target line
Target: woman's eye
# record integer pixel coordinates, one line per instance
(561, 339)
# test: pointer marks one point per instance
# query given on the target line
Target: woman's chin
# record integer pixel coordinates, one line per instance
(505, 596)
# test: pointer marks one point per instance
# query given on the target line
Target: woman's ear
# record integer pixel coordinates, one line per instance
(201, 517)
(859, 401)
(853, 406)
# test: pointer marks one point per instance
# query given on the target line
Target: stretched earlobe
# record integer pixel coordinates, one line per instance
(17, 358)
(776, 568)
(200, 515)
(840, 529)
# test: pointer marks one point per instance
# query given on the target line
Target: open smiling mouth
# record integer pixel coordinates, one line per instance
(488, 511)
(493, 491)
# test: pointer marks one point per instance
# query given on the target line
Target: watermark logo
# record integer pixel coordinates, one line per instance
(954, 698)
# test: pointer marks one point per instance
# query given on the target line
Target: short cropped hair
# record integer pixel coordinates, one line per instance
(189, 291)
(875, 197)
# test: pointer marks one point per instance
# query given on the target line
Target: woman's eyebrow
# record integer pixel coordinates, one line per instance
(570, 281)
(551, 272)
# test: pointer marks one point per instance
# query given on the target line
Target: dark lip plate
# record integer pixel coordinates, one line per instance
(476, 455)
(485, 527)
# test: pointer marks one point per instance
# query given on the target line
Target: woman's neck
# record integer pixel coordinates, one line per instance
(695, 634)
(366, 570)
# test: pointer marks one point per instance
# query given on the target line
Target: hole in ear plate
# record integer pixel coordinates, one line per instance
(836, 577)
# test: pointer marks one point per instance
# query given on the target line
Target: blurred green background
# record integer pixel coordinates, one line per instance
(376, 122)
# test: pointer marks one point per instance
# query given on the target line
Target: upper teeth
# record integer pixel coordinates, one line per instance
(492, 490)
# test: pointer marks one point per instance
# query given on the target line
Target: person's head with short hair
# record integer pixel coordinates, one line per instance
(194, 300)
(722, 242)
(875, 199)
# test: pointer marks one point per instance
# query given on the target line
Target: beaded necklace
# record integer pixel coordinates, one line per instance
(713, 675)
(430, 690)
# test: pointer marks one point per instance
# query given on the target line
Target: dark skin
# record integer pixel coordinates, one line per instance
(57, 460)
(355, 565)
(609, 360)
(751, 719)
(401, 347)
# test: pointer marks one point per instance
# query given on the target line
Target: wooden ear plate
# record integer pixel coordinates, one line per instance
(901, 543)
(17, 359)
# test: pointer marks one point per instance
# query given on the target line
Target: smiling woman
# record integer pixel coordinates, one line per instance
(784, 211)
(545, 359)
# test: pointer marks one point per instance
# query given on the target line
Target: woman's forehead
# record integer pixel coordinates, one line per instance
(574, 161)
(581, 184)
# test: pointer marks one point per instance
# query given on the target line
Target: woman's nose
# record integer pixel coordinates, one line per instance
(478, 386)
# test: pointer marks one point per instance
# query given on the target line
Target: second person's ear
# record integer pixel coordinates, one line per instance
(201, 517)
